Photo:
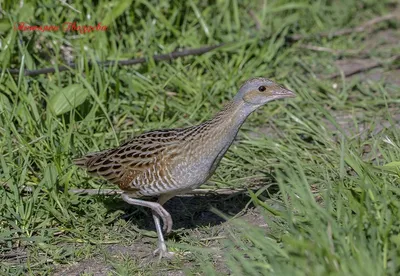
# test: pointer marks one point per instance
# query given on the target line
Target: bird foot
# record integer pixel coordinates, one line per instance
(162, 252)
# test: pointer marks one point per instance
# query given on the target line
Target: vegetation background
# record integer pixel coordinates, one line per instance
(322, 169)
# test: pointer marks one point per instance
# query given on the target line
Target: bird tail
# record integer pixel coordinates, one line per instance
(87, 160)
(82, 161)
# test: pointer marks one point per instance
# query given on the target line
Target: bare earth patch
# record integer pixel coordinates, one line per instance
(140, 251)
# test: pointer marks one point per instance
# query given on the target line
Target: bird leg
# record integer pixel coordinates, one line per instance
(158, 212)
(162, 248)
(154, 206)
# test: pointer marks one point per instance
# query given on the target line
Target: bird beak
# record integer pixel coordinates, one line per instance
(282, 92)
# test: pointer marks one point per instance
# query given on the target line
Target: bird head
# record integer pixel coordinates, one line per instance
(259, 91)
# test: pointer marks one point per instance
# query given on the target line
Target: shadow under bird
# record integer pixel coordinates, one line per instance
(164, 163)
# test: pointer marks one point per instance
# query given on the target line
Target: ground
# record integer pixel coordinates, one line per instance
(194, 224)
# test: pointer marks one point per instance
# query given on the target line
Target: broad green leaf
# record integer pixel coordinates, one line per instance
(394, 164)
(118, 9)
(5, 105)
(393, 167)
(67, 99)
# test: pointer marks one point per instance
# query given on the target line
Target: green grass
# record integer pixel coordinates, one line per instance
(351, 228)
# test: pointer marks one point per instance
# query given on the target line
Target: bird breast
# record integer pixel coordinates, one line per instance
(199, 157)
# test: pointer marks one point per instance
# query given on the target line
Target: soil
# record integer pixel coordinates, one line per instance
(193, 219)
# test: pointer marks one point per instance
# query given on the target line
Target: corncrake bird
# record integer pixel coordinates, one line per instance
(164, 163)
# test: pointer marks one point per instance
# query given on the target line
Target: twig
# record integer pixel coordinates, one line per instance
(213, 238)
(64, 2)
(359, 29)
(23, 188)
(13, 255)
(356, 70)
(110, 192)
(95, 191)
(329, 50)
(161, 57)
(362, 68)
(201, 50)
(223, 191)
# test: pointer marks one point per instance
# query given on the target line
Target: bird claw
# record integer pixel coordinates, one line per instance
(163, 253)
(167, 226)
(166, 218)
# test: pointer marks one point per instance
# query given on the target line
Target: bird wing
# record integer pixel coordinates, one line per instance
(123, 164)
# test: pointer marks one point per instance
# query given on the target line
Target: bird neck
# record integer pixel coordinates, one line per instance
(233, 115)
(221, 130)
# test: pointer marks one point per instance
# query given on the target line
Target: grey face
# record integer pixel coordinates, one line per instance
(259, 91)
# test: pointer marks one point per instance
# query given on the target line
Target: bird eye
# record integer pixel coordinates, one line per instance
(262, 88)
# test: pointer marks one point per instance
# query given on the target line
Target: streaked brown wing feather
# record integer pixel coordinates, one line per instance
(127, 162)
